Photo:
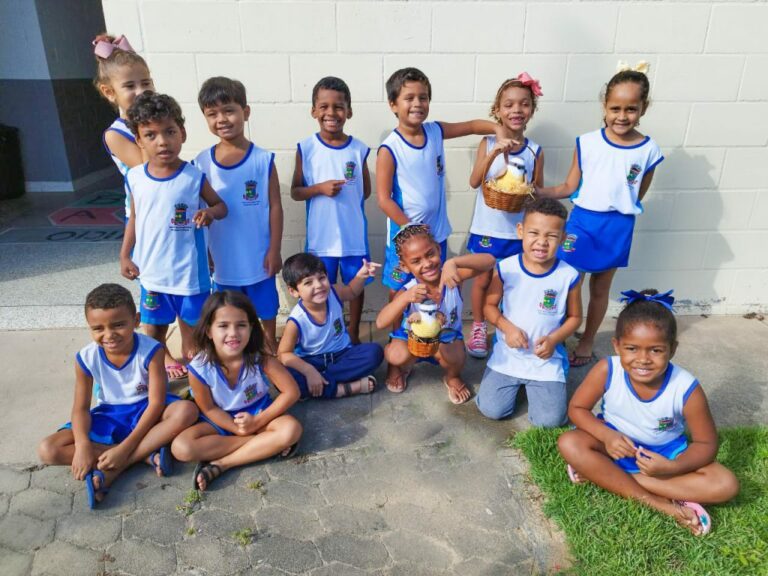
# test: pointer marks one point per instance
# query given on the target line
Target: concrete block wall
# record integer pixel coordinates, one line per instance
(706, 221)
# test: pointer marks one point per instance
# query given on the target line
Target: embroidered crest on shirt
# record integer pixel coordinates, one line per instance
(485, 241)
(180, 218)
(665, 423)
(440, 166)
(251, 194)
(453, 316)
(634, 172)
(349, 171)
(548, 304)
(142, 389)
(150, 301)
(337, 327)
(568, 244)
(250, 392)
(397, 274)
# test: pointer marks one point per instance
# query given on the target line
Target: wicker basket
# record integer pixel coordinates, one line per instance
(422, 347)
(508, 202)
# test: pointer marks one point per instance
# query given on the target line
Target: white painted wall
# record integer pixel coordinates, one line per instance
(705, 230)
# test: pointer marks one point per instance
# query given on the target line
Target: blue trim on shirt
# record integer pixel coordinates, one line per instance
(608, 379)
(134, 349)
(171, 177)
(690, 390)
(223, 376)
(426, 138)
(531, 274)
(391, 153)
(653, 166)
(298, 327)
(523, 149)
(242, 160)
(574, 283)
(203, 272)
(312, 320)
(365, 156)
(82, 364)
(578, 152)
(151, 355)
(659, 392)
(196, 374)
(324, 143)
(630, 147)
(126, 183)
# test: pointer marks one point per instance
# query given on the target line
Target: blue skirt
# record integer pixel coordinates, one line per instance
(258, 406)
(112, 423)
(597, 241)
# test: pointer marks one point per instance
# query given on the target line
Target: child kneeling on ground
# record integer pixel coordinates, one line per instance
(134, 418)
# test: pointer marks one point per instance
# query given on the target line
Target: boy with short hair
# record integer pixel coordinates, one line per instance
(332, 176)
(315, 346)
(246, 246)
(133, 419)
(410, 166)
(541, 299)
(164, 245)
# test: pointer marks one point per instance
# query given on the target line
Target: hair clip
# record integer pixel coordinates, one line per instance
(103, 48)
(642, 66)
(632, 296)
(526, 80)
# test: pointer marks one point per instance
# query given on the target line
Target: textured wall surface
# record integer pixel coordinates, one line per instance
(705, 227)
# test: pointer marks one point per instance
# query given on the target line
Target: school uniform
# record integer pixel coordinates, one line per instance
(119, 126)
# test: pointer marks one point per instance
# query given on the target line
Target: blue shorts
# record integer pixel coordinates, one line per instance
(499, 248)
(160, 309)
(263, 296)
(347, 265)
(112, 423)
(258, 406)
(670, 450)
(597, 241)
(392, 276)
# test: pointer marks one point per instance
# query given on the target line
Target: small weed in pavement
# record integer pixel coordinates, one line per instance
(257, 485)
(244, 536)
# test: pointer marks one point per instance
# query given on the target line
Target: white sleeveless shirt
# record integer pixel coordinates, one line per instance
(336, 226)
(611, 174)
(239, 242)
(418, 186)
(121, 128)
(325, 338)
(535, 303)
(251, 386)
(124, 385)
(170, 250)
(451, 305)
(652, 422)
(488, 221)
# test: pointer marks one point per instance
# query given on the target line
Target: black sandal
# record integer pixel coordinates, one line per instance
(209, 471)
(292, 449)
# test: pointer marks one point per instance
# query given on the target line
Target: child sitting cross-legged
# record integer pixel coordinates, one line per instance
(134, 418)
(440, 284)
(316, 346)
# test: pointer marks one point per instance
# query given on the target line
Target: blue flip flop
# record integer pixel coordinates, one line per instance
(165, 462)
(91, 490)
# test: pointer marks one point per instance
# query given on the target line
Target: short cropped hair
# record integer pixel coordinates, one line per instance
(109, 297)
(221, 90)
(151, 107)
(332, 83)
(400, 77)
(546, 206)
(300, 266)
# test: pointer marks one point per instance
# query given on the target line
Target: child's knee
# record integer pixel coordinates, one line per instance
(47, 451)
(291, 429)
(493, 410)
(184, 413)
(181, 448)
(569, 443)
(396, 353)
(547, 419)
(725, 485)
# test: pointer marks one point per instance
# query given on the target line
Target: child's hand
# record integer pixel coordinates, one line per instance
(619, 446)
(315, 383)
(331, 188)
(450, 275)
(246, 423)
(273, 262)
(513, 336)
(128, 269)
(202, 218)
(368, 269)
(83, 461)
(112, 459)
(414, 318)
(544, 347)
(653, 464)
(441, 318)
(416, 294)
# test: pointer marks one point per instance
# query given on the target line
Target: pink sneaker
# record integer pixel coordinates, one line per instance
(477, 347)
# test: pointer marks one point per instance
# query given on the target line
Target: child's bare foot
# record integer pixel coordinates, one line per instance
(397, 379)
(364, 385)
(160, 461)
(173, 368)
(458, 393)
(575, 476)
(96, 486)
(582, 354)
(290, 451)
(692, 516)
(204, 475)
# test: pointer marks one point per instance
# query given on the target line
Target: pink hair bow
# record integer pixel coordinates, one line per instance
(525, 79)
(104, 49)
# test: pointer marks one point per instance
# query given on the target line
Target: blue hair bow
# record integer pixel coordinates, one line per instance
(666, 299)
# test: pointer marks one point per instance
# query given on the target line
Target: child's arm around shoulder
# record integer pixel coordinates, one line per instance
(216, 210)
(84, 459)
(565, 189)
(460, 268)
(469, 127)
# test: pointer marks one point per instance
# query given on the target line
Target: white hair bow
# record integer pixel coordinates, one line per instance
(642, 66)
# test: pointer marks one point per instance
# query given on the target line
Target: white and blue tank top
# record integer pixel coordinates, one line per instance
(451, 305)
(121, 128)
(326, 338)
(126, 384)
(252, 385)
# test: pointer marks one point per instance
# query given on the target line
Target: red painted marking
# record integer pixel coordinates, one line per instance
(73, 216)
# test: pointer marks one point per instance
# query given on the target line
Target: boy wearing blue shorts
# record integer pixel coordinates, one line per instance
(410, 167)
(316, 347)
(246, 246)
(134, 419)
(332, 176)
(534, 301)
(164, 244)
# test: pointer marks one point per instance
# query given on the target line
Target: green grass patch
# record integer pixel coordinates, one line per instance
(609, 535)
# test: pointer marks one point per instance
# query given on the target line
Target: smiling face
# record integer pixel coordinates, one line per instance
(112, 329)
(230, 332)
(623, 109)
(412, 104)
(645, 351)
(162, 140)
(515, 108)
(331, 110)
(125, 84)
(227, 121)
(313, 289)
(420, 256)
(541, 234)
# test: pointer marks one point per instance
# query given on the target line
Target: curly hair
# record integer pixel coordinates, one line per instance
(151, 107)
(332, 83)
(108, 297)
(647, 312)
(410, 231)
(546, 206)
